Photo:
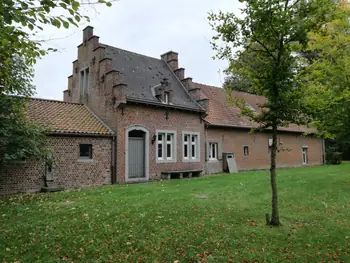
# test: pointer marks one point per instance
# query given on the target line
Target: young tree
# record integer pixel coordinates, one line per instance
(20, 21)
(265, 40)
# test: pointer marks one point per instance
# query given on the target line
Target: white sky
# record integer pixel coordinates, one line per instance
(149, 27)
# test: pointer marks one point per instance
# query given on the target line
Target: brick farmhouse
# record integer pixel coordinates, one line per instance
(129, 118)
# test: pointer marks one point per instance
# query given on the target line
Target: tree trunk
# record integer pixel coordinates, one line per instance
(275, 221)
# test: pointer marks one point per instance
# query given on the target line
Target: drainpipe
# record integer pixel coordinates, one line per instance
(114, 175)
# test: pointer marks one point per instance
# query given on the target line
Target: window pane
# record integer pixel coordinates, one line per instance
(168, 151)
(86, 81)
(214, 151)
(186, 151)
(160, 151)
(169, 137)
(160, 136)
(246, 150)
(194, 137)
(186, 138)
(193, 151)
(86, 150)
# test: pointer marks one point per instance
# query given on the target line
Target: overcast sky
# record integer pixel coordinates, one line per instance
(149, 27)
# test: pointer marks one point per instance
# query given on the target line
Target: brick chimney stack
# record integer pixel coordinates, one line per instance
(172, 59)
(88, 32)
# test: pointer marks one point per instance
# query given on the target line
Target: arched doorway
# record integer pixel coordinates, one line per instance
(136, 157)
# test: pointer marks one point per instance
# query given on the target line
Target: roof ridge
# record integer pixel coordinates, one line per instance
(138, 54)
(241, 92)
(57, 101)
(210, 86)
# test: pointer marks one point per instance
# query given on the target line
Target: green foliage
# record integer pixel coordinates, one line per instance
(261, 50)
(327, 76)
(333, 155)
(166, 222)
(20, 21)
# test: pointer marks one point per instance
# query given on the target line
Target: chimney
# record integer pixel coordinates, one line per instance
(187, 82)
(87, 33)
(172, 59)
(119, 94)
(180, 73)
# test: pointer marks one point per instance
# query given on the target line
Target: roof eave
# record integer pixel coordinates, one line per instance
(248, 127)
(133, 100)
(75, 134)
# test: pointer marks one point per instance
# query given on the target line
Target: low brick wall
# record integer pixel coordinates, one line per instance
(28, 176)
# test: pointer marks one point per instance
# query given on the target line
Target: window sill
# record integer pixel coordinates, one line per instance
(213, 160)
(191, 160)
(82, 160)
(165, 161)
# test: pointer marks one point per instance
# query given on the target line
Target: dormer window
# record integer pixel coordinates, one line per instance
(163, 92)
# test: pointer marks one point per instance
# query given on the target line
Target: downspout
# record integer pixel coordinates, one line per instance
(114, 175)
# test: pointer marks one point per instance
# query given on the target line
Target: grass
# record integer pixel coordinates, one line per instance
(167, 222)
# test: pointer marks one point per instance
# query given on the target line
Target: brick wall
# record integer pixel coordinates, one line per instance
(70, 172)
(290, 155)
(153, 119)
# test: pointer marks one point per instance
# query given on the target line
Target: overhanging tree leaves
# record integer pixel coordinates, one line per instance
(20, 21)
(328, 76)
(271, 31)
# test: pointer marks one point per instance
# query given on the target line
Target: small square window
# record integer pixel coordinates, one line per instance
(246, 150)
(86, 151)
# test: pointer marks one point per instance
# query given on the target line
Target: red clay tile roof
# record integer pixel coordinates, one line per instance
(66, 118)
(220, 114)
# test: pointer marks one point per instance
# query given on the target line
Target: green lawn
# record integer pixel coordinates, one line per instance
(167, 222)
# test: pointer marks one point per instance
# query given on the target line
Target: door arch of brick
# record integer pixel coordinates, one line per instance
(146, 131)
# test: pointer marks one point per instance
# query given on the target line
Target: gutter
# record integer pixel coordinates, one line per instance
(67, 134)
(147, 102)
(247, 127)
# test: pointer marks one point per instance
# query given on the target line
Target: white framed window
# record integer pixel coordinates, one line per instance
(305, 155)
(84, 82)
(191, 146)
(166, 146)
(246, 150)
(213, 151)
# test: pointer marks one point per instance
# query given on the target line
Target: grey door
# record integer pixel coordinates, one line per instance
(136, 156)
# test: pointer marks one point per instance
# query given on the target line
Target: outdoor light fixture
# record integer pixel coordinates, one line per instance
(154, 138)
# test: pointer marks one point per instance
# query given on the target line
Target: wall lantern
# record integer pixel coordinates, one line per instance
(154, 138)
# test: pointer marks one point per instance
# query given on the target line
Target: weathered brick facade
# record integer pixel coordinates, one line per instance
(71, 171)
(156, 119)
(289, 155)
(106, 90)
